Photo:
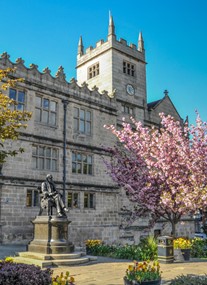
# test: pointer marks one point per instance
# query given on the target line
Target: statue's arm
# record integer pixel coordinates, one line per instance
(44, 190)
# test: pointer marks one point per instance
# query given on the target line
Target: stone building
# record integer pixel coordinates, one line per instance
(66, 138)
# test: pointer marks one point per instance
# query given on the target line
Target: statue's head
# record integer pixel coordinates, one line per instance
(49, 177)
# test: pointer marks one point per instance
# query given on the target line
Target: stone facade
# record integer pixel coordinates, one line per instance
(115, 88)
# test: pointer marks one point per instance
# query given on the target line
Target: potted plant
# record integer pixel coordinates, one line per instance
(184, 246)
(143, 273)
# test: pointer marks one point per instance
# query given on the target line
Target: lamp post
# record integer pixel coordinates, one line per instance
(197, 217)
(65, 104)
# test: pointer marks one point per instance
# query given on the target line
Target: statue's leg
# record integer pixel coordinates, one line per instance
(58, 206)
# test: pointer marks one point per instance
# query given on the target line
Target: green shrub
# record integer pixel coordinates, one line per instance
(189, 280)
(146, 250)
(127, 252)
(199, 248)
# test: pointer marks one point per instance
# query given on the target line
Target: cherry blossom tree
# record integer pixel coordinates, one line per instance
(163, 171)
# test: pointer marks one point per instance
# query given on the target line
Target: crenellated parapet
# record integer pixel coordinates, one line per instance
(58, 82)
(136, 51)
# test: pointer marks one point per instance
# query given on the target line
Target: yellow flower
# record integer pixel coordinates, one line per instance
(130, 267)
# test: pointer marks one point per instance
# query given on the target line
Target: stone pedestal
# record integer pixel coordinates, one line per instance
(50, 235)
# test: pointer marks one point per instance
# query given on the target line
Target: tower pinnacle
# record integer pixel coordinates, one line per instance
(140, 43)
(111, 30)
(80, 46)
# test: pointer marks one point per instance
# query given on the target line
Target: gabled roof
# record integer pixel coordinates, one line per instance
(152, 105)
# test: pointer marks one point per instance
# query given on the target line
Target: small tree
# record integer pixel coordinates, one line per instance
(164, 171)
(11, 120)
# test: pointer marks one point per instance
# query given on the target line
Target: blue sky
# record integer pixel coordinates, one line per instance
(46, 32)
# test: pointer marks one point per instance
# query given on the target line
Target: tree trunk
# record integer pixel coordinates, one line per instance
(173, 233)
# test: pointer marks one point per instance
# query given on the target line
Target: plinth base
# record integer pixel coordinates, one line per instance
(50, 235)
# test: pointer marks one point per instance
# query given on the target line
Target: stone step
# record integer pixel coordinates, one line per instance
(41, 256)
(55, 262)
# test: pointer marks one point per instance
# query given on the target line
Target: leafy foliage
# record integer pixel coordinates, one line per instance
(11, 120)
(163, 171)
(23, 274)
(143, 271)
(146, 250)
(199, 248)
(189, 280)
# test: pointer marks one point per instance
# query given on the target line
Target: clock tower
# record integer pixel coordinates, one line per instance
(118, 68)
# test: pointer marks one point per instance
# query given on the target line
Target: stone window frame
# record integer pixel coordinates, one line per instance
(82, 120)
(93, 70)
(82, 163)
(32, 198)
(17, 96)
(42, 159)
(127, 109)
(128, 68)
(73, 200)
(89, 200)
(47, 106)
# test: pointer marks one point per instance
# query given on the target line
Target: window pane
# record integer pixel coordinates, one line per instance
(45, 103)
(34, 150)
(12, 94)
(74, 156)
(41, 163)
(74, 167)
(45, 116)
(78, 167)
(36, 198)
(82, 127)
(75, 200)
(89, 159)
(48, 152)
(54, 153)
(84, 158)
(21, 96)
(82, 114)
(35, 163)
(38, 115)
(85, 200)
(29, 198)
(88, 127)
(76, 124)
(79, 157)
(20, 107)
(53, 119)
(41, 151)
(91, 201)
(88, 116)
(69, 200)
(84, 168)
(54, 165)
(53, 106)
(90, 169)
(75, 112)
(47, 164)
(38, 101)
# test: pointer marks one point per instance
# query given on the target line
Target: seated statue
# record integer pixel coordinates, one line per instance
(50, 197)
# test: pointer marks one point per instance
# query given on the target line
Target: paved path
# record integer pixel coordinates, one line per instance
(111, 271)
(108, 271)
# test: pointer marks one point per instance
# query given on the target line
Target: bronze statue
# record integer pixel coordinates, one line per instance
(51, 197)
